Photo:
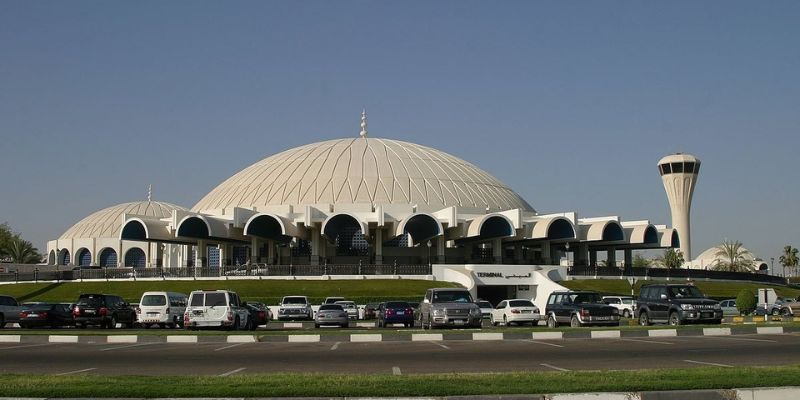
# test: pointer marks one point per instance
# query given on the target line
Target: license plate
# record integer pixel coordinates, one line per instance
(33, 315)
(197, 312)
(526, 311)
(88, 311)
(401, 313)
(152, 314)
(601, 318)
(458, 322)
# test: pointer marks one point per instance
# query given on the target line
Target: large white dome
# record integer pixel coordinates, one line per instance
(107, 223)
(363, 171)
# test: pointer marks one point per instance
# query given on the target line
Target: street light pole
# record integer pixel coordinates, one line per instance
(429, 253)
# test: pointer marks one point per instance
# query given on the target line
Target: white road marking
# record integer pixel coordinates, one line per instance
(708, 363)
(441, 345)
(335, 346)
(396, 371)
(747, 339)
(125, 347)
(76, 372)
(229, 373)
(554, 367)
(24, 346)
(545, 343)
(229, 347)
(645, 341)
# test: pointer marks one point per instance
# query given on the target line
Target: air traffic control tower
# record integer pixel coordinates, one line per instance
(679, 175)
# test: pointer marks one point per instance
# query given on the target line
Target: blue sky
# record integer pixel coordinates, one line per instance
(570, 103)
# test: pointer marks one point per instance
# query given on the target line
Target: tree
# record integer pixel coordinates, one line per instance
(641, 262)
(789, 257)
(733, 257)
(746, 302)
(672, 259)
(21, 251)
(5, 237)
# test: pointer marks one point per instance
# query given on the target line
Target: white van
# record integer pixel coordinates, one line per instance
(164, 309)
(217, 309)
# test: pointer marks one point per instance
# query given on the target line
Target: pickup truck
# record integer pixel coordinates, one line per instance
(9, 310)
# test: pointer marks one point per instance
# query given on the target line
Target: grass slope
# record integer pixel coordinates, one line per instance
(267, 291)
(718, 290)
(307, 385)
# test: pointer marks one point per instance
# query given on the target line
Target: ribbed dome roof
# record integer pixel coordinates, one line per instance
(107, 223)
(363, 171)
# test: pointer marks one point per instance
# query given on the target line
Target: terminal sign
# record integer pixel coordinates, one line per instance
(490, 274)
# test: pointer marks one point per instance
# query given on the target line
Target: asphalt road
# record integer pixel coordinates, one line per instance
(399, 357)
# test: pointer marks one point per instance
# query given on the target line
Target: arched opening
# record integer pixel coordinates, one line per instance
(193, 227)
(267, 227)
(63, 258)
(135, 258)
(347, 233)
(51, 258)
(84, 258)
(421, 228)
(612, 232)
(676, 241)
(651, 235)
(560, 229)
(134, 230)
(496, 226)
(108, 258)
(762, 266)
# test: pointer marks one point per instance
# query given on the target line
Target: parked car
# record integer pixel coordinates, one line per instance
(775, 308)
(164, 309)
(790, 308)
(395, 312)
(449, 307)
(333, 300)
(676, 305)
(579, 308)
(259, 314)
(295, 307)
(486, 309)
(9, 310)
(729, 307)
(350, 307)
(216, 309)
(370, 310)
(625, 304)
(45, 314)
(515, 311)
(102, 310)
(332, 314)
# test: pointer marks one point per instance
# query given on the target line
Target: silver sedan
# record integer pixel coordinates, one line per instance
(331, 314)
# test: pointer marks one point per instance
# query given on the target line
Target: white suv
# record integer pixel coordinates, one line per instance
(295, 307)
(625, 304)
(216, 309)
(162, 309)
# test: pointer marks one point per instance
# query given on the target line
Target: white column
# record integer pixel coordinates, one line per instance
(315, 244)
(378, 245)
(201, 254)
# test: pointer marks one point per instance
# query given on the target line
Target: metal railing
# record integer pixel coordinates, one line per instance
(675, 273)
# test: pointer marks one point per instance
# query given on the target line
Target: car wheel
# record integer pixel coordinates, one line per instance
(2, 321)
(505, 321)
(626, 314)
(113, 323)
(23, 326)
(80, 326)
(345, 326)
(551, 322)
(316, 325)
(785, 312)
(380, 324)
(574, 322)
(534, 323)
(674, 320)
(775, 311)
(644, 320)
(235, 326)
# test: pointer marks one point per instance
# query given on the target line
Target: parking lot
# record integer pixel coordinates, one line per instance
(398, 357)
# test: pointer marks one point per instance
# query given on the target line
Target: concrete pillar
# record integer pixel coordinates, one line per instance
(378, 245)
(497, 250)
(582, 254)
(270, 251)
(253, 250)
(315, 244)
(223, 252)
(147, 255)
(593, 258)
(441, 244)
(200, 260)
(159, 255)
(628, 258)
(611, 260)
(546, 253)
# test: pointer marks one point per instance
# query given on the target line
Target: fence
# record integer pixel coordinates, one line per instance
(675, 273)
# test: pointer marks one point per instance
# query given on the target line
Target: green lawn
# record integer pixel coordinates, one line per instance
(717, 290)
(339, 385)
(266, 291)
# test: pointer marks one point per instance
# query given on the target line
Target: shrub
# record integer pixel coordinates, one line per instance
(746, 302)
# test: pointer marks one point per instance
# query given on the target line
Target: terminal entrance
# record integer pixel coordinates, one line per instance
(496, 294)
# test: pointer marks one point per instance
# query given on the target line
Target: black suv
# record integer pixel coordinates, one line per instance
(103, 310)
(579, 308)
(676, 305)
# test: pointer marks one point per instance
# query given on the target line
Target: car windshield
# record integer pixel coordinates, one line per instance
(346, 304)
(520, 303)
(197, 300)
(685, 292)
(453, 296)
(627, 300)
(38, 307)
(331, 300)
(215, 300)
(294, 300)
(154, 300)
(397, 304)
(331, 307)
(585, 298)
(484, 304)
(90, 301)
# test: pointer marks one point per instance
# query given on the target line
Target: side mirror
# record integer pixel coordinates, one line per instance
(426, 301)
(663, 296)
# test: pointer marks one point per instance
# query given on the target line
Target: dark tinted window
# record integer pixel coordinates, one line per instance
(611, 301)
(484, 304)
(90, 300)
(585, 298)
(520, 303)
(39, 307)
(684, 292)
(294, 300)
(452, 296)
(216, 300)
(7, 301)
(154, 300)
(665, 169)
(197, 300)
(397, 304)
(677, 167)
(688, 167)
(331, 307)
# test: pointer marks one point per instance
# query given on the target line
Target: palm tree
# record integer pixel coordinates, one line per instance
(21, 251)
(672, 259)
(789, 257)
(733, 257)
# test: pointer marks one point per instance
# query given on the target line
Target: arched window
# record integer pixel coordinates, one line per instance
(51, 259)
(135, 258)
(108, 258)
(84, 258)
(65, 259)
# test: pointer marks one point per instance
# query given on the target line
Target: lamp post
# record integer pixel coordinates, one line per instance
(566, 248)
(429, 253)
(291, 259)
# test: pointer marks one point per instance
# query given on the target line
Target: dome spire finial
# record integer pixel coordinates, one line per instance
(363, 132)
(150, 192)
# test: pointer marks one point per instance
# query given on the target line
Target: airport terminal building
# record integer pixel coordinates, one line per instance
(356, 201)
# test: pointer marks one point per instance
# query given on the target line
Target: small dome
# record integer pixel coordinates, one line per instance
(679, 157)
(363, 171)
(107, 223)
